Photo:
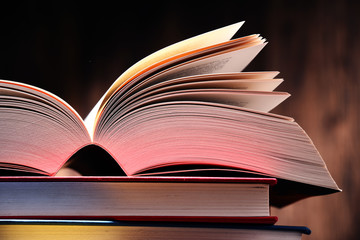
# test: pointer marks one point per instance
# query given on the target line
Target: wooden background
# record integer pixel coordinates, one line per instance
(77, 50)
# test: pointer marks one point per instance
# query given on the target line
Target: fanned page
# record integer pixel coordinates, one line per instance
(200, 41)
(39, 130)
(195, 133)
(229, 57)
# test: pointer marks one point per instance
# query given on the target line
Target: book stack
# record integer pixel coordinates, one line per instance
(201, 155)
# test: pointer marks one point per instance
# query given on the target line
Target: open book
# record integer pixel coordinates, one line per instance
(186, 105)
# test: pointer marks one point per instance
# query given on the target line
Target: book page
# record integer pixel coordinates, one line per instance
(224, 62)
(193, 83)
(200, 41)
(39, 130)
(26, 88)
(255, 81)
(186, 65)
(257, 101)
(228, 61)
(196, 133)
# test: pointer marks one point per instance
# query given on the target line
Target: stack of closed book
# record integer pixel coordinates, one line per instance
(201, 154)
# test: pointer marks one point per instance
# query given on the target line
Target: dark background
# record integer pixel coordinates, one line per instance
(76, 50)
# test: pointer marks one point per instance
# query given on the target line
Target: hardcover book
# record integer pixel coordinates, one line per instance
(193, 198)
(85, 229)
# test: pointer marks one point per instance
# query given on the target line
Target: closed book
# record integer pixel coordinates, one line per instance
(85, 229)
(118, 197)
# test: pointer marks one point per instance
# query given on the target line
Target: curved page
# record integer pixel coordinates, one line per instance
(39, 130)
(200, 41)
(171, 134)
